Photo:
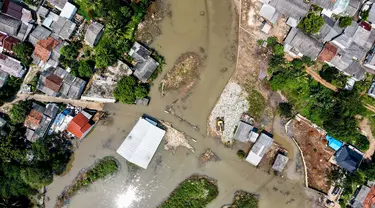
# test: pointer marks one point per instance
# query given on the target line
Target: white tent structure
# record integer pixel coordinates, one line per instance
(141, 144)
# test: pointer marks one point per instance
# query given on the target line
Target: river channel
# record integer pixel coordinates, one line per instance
(210, 28)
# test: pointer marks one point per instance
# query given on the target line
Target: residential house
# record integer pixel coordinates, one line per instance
(79, 126)
(298, 44)
(145, 65)
(360, 196)
(245, 132)
(39, 120)
(8, 43)
(260, 148)
(59, 25)
(334, 143)
(348, 158)
(339, 7)
(371, 91)
(59, 4)
(39, 33)
(68, 11)
(280, 163)
(329, 30)
(4, 77)
(43, 50)
(42, 13)
(371, 15)
(9, 25)
(93, 33)
(59, 83)
(369, 201)
(11, 66)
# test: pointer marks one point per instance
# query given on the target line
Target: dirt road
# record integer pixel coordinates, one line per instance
(366, 130)
(319, 79)
(45, 98)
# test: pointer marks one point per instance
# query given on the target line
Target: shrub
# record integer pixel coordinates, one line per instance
(241, 154)
(278, 49)
(286, 109)
(128, 90)
(365, 14)
(271, 41)
(23, 52)
(311, 23)
(345, 21)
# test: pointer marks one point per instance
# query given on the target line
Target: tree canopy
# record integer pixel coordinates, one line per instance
(345, 21)
(85, 68)
(19, 112)
(128, 90)
(23, 52)
(311, 23)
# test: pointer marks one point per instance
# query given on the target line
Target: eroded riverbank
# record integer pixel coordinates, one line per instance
(185, 30)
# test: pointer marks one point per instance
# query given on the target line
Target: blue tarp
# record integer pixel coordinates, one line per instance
(333, 143)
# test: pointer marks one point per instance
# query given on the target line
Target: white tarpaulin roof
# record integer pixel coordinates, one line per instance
(141, 144)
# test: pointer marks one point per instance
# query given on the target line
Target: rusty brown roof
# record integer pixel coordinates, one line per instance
(10, 42)
(329, 51)
(53, 82)
(43, 48)
(33, 119)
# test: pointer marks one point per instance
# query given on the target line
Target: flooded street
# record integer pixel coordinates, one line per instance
(208, 28)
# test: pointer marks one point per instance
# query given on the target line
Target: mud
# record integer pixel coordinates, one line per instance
(185, 30)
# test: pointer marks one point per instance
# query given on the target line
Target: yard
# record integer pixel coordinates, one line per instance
(315, 152)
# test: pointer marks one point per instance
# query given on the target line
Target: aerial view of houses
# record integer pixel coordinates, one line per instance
(272, 101)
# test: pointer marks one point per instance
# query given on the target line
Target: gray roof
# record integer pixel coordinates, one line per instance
(63, 27)
(243, 132)
(9, 25)
(324, 4)
(355, 70)
(145, 65)
(39, 33)
(59, 4)
(291, 8)
(268, 12)
(360, 196)
(260, 148)
(348, 157)
(280, 163)
(371, 91)
(93, 33)
(42, 12)
(353, 7)
(51, 110)
(3, 78)
(303, 43)
(361, 36)
(329, 30)
(371, 16)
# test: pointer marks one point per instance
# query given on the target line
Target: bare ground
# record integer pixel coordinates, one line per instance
(366, 130)
(316, 154)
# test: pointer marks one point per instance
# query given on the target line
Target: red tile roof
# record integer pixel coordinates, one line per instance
(33, 119)
(10, 42)
(43, 48)
(370, 198)
(53, 82)
(79, 125)
(328, 52)
(2, 37)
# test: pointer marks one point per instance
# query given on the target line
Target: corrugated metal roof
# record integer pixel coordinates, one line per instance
(93, 33)
(243, 132)
(259, 149)
(68, 11)
(141, 144)
(303, 43)
(291, 8)
(280, 163)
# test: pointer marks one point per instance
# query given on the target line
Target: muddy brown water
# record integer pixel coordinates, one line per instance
(186, 30)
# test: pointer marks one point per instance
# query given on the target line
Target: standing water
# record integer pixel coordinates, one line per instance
(207, 27)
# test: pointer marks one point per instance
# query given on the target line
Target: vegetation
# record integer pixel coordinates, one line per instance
(257, 103)
(244, 199)
(34, 82)
(101, 169)
(10, 89)
(68, 58)
(128, 90)
(311, 23)
(286, 110)
(195, 192)
(333, 75)
(23, 52)
(365, 14)
(105, 55)
(19, 112)
(241, 154)
(345, 21)
(85, 68)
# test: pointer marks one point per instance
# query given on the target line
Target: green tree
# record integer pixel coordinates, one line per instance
(19, 112)
(23, 52)
(105, 55)
(128, 90)
(271, 41)
(311, 23)
(85, 69)
(286, 109)
(37, 177)
(278, 49)
(241, 154)
(345, 21)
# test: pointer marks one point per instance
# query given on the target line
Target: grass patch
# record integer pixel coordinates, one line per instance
(257, 103)
(194, 192)
(244, 199)
(101, 169)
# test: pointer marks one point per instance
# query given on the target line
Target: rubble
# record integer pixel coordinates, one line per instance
(175, 138)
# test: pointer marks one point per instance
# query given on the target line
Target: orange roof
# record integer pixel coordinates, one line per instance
(43, 48)
(33, 119)
(370, 198)
(79, 125)
(329, 51)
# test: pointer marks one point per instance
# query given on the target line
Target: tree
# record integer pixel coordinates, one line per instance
(271, 41)
(70, 52)
(286, 109)
(105, 55)
(23, 52)
(19, 112)
(278, 49)
(128, 90)
(85, 69)
(241, 154)
(311, 23)
(345, 21)
(37, 177)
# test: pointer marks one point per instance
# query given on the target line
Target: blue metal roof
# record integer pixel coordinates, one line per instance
(333, 143)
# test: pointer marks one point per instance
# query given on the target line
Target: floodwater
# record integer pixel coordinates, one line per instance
(212, 34)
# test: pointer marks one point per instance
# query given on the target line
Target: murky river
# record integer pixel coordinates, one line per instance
(214, 35)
